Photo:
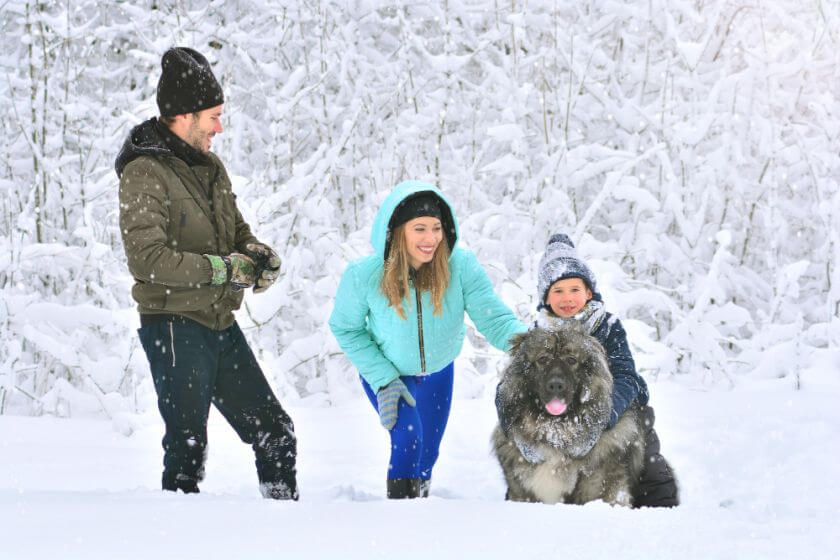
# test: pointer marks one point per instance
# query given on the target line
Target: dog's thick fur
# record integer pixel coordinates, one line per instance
(568, 457)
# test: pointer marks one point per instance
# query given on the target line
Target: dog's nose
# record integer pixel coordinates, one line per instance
(554, 385)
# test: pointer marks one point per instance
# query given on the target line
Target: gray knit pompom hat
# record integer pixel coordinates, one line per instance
(561, 261)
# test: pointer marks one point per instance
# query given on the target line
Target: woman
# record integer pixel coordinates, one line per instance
(399, 317)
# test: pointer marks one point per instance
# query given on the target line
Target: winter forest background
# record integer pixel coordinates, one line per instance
(691, 149)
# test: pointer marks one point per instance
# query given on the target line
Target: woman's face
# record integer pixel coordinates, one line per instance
(422, 237)
(568, 297)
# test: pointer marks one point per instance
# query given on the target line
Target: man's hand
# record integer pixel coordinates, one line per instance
(267, 264)
(235, 269)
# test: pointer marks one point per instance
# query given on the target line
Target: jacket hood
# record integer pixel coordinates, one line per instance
(143, 140)
(379, 233)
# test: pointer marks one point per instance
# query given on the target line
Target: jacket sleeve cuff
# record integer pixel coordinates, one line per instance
(218, 270)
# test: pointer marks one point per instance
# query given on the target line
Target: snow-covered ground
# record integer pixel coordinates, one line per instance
(757, 464)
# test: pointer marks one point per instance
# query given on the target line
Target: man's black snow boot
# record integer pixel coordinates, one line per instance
(182, 482)
(278, 491)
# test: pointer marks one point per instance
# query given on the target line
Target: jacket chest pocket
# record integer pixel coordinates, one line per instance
(190, 230)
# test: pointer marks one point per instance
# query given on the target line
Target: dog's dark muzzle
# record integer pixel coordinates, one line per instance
(556, 392)
(554, 385)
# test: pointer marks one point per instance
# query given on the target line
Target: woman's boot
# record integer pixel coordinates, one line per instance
(401, 488)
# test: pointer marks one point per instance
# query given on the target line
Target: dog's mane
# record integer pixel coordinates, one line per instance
(578, 429)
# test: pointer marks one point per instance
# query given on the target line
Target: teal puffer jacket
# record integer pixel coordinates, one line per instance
(384, 346)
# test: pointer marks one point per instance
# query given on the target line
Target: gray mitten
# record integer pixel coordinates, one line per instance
(387, 400)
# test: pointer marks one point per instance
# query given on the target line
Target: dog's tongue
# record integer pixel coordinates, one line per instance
(556, 407)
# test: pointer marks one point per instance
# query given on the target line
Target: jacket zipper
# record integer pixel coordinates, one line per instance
(420, 329)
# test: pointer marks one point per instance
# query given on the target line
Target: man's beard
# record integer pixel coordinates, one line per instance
(196, 137)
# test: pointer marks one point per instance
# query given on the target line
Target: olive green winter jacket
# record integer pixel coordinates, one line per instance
(168, 222)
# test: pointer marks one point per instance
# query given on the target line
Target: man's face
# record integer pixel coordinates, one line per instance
(203, 126)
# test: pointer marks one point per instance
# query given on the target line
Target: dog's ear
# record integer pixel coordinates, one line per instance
(515, 341)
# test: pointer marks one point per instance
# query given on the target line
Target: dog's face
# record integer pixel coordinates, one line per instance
(560, 370)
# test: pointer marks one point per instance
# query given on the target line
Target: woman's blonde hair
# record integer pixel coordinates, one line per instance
(432, 276)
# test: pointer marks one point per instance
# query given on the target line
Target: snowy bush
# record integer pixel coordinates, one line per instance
(690, 149)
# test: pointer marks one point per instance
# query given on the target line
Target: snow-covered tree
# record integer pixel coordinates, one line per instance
(691, 149)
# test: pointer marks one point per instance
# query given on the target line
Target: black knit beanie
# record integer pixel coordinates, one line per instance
(187, 83)
(415, 206)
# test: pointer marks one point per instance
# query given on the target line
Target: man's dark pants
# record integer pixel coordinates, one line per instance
(193, 366)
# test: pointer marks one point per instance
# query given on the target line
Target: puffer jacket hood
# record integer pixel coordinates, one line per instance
(379, 233)
(143, 140)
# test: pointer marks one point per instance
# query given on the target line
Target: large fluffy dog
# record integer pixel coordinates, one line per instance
(554, 400)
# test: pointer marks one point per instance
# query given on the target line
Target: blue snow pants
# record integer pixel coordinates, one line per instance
(193, 366)
(415, 438)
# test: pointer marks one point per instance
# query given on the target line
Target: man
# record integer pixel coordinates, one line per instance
(192, 255)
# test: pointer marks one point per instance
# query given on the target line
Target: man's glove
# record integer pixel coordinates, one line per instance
(267, 264)
(387, 399)
(235, 269)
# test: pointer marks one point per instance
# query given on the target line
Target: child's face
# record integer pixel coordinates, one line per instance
(567, 297)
